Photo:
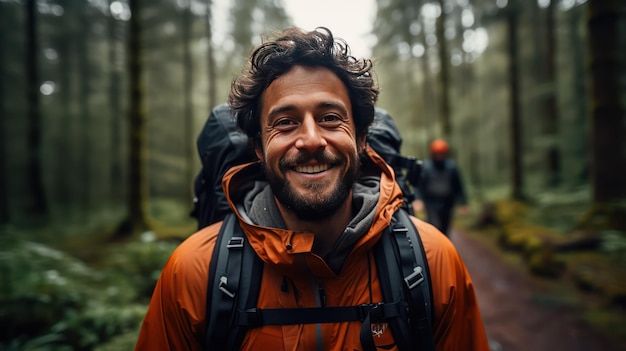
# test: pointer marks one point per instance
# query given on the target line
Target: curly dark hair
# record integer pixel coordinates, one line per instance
(295, 47)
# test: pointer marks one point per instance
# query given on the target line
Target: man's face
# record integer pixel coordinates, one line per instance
(309, 144)
(439, 156)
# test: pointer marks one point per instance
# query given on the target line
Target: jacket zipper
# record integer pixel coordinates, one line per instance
(320, 301)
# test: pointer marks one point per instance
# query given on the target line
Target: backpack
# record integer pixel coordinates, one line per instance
(235, 270)
(384, 137)
(439, 182)
(220, 146)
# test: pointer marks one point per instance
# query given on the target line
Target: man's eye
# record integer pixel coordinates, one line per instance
(285, 122)
(330, 118)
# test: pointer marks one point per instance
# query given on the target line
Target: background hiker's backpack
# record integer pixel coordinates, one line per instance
(235, 270)
(221, 145)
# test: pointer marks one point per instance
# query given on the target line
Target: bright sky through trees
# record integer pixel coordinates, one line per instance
(347, 19)
(351, 20)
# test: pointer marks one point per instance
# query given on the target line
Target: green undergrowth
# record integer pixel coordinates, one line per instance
(86, 294)
(581, 267)
(70, 284)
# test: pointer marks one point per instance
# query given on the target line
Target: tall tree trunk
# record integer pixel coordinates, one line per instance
(427, 93)
(84, 130)
(607, 52)
(517, 191)
(65, 41)
(579, 60)
(138, 197)
(4, 196)
(416, 104)
(212, 80)
(444, 83)
(189, 139)
(551, 122)
(115, 86)
(38, 205)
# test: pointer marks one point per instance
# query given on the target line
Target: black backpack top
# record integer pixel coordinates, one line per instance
(220, 146)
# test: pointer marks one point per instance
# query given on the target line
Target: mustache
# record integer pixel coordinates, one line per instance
(306, 157)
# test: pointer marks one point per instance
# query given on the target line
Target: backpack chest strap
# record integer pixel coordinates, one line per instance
(256, 317)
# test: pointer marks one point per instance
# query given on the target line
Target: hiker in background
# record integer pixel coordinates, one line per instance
(440, 188)
(312, 208)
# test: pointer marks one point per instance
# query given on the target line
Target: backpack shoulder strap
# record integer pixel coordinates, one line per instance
(235, 275)
(400, 254)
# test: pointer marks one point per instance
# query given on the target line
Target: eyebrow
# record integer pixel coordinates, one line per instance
(321, 105)
(333, 104)
(279, 109)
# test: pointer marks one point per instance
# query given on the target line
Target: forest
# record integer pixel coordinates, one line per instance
(101, 103)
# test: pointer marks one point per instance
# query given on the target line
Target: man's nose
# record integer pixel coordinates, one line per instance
(311, 135)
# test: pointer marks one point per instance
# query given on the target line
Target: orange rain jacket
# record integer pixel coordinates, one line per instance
(176, 316)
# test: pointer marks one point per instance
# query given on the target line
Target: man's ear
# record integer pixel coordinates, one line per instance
(259, 153)
(361, 144)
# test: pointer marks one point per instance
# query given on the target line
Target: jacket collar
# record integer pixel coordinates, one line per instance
(290, 251)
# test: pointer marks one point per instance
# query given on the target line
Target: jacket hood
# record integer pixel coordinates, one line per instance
(376, 198)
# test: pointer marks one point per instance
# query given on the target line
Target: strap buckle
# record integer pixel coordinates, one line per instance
(415, 278)
(374, 310)
(400, 229)
(223, 286)
(235, 242)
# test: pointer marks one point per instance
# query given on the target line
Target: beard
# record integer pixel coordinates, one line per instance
(313, 205)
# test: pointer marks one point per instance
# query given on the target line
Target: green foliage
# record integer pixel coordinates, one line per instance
(121, 342)
(52, 301)
(140, 262)
(40, 286)
(614, 243)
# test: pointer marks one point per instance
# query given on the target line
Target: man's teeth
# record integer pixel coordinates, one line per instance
(312, 169)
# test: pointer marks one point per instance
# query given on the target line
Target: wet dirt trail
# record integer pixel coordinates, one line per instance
(514, 318)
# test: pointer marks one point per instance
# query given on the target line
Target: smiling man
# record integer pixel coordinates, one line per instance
(309, 151)
(313, 207)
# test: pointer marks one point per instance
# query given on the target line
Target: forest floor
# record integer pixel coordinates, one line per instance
(523, 312)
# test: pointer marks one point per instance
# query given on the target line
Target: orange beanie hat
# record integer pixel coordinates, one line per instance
(438, 146)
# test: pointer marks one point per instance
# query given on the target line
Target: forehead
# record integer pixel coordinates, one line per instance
(303, 88)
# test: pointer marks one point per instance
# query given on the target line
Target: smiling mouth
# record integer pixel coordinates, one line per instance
(312, 169)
